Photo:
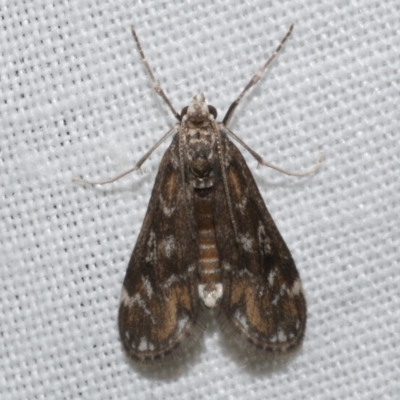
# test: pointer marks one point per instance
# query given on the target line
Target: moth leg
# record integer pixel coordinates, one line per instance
(156, 85)
(135, 167)
(267, 164)
(255, 78)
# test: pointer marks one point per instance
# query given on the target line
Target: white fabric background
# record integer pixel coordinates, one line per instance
(75, 100)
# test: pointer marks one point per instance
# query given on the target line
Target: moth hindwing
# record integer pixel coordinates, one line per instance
(208, 240)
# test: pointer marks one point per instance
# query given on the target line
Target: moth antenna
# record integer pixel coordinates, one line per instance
(255, 78)
(156, 85)
(267, 164)
(135, 167)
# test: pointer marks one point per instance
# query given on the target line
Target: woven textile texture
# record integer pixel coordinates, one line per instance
(75, 100)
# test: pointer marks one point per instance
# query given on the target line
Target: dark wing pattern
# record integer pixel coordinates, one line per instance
(263, 300)
(159, 307)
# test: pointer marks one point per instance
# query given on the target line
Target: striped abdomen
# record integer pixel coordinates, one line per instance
(210, 286)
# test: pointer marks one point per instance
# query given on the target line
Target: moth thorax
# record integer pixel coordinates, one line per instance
(201, 162)
(210, 286)
(200, 157)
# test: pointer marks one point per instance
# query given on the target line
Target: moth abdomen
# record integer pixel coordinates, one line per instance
(210, 281)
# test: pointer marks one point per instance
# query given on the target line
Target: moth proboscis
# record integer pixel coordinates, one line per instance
(208, 241)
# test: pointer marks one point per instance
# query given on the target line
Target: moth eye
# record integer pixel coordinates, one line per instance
(212, 110)
(184, 111)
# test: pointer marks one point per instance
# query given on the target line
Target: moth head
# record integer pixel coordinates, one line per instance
(198, 112)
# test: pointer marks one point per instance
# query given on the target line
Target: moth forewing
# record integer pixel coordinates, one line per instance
(160, 312)
(263, 302)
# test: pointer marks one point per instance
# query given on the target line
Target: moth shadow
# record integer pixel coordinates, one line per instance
(254, 361)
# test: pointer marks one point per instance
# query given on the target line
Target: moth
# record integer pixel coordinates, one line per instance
(208, 241)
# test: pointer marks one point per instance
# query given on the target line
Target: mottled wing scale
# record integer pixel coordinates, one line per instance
(263, 301)
(159, 309)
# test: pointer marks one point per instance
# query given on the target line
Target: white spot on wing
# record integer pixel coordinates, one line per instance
(169, 245)
(284, 289)
(264, 240)
(168, 211)
(143, 344)
(242, 319)
(130, 301)
(174, 159)
(297, 288)
(246, 241)
(274, 302)
(242, 205)
(226, 266)
(151, 255)
(271, 277)
(245, 271)
(282, 336)
(125, 299)
(182, 324)
(174, 278)
(170, 281)
(147, 287)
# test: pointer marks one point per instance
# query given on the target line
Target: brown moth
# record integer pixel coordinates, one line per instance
(208, 241)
